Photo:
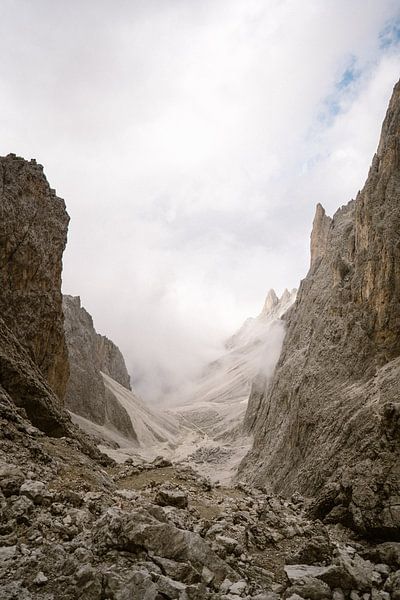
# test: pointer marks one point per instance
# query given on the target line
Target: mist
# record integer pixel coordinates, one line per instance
(191, 142)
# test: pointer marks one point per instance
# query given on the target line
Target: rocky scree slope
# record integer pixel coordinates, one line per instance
(328, 424)
(111, 362)
(33, 234)
(99, 395)
(90, 353)
(71, 530)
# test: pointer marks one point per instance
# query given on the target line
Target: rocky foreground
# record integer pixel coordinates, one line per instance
(71, 528)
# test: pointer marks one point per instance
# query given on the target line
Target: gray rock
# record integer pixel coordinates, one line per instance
(33, 234)
(11, 479)
(89, 353)
(169, 587)
(40, 579)
(171, 497)
(35, 491)
(309, 587)
(7, 552)
(22, 507)
(296, 572)
(331, 413)
(138, 529)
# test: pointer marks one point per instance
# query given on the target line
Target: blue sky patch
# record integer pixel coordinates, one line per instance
(390, 36)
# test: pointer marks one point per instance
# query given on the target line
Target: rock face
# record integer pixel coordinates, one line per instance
(328, 423)
(21, 381)
(33, 234)
(111, 362)
(90, 353)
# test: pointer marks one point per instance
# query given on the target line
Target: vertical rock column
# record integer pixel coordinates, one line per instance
(33, 235)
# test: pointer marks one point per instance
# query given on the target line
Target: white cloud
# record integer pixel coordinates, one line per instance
(191, 142)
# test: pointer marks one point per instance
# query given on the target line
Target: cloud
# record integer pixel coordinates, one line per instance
(191, 142)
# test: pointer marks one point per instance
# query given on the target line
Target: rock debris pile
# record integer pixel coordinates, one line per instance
(72, 528)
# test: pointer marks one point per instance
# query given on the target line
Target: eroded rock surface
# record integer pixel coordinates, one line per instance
(71, 530)
(33, 234)
(89, 353)
(111, 362)
(328, 423)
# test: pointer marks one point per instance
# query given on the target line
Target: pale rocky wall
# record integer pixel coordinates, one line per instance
(326, 423)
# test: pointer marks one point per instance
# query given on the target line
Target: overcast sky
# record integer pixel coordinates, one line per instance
(191, 141)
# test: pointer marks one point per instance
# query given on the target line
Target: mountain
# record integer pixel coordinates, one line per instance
(216, 403)
(34, 366)
(327, 424)
(99, 395)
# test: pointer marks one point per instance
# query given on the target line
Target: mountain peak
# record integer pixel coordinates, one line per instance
(270, 302)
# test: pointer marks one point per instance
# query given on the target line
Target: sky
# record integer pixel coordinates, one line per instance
(191, 141)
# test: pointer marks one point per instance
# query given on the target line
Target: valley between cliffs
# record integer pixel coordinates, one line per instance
(103, 497)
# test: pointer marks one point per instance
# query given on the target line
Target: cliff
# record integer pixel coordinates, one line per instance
(89, 354)
(34, 365)
(111, 362)
(327, 424)
(33, 234)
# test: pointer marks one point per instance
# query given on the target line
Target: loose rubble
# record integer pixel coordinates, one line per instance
(70, 528)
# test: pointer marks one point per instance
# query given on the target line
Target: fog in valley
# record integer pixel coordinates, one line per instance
(191, 142)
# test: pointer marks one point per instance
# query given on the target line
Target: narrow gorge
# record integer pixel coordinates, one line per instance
(275, 474)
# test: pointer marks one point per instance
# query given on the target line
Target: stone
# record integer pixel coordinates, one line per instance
(166, 496)
(40, 579)
(22, 507)
(230, 544)
(296, 572)
(172, 589)
(11, 479)
(35, 491)
(7, 552)
(238, 588)
(309, 587)
(160, 462)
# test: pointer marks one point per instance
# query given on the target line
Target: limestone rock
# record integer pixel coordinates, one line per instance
(319, 235)
(111, 362)
(327, 424)
(33, 234)
(90, 353)
(85, 390)
(22, 382)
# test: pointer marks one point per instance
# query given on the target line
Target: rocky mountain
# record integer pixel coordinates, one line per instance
(213, 407)
(33, 234)
(77, 526)
(33, 358)
(328, 423)
(216, 403)
(99, 395)
(88, 353)
(111, 362)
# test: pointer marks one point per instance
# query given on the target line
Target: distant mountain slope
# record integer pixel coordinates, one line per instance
(217, 402)
(98, 396)
(153, 429)
(86, 394)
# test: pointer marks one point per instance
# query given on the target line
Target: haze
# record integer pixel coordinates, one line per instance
(191, 142)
